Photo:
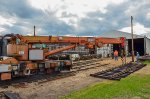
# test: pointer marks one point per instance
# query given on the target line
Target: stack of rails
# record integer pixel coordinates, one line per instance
(119, 72)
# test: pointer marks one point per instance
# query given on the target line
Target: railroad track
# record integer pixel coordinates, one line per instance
(85, 62)
(38, 79)
(87, 66)
(120, 72)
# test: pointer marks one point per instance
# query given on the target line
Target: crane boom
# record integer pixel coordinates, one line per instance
(89, 42)
(109, 40)
(59, 50)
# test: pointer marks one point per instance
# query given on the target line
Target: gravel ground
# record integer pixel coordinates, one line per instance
(60, 87)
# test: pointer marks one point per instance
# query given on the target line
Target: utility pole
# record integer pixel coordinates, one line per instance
(132, 39)
(144, 45)
(34, 30)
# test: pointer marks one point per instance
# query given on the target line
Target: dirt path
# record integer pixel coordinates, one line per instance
(145, 70)
(56, 88)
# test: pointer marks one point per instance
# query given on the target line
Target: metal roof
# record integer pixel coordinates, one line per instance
(115, 34)
(147, 35)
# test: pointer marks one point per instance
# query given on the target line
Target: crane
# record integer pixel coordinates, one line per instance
(23, 59)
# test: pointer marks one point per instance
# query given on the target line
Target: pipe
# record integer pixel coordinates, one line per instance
(4, 43)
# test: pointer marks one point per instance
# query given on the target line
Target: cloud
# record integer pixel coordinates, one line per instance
(17, 8)
(118, 17)
(20, 18)
(78, 17)
(2, 29)
(137, 29)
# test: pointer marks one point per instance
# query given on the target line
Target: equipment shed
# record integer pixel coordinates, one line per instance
(141, 43)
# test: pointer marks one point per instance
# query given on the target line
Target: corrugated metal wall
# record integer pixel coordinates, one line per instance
(105, 51)
(147, 46)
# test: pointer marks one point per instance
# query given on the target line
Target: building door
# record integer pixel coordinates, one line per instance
(138, 46)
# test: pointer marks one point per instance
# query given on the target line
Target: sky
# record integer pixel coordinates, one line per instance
(73, 17)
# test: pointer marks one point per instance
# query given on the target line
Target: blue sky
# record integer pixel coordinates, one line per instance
(73, 17)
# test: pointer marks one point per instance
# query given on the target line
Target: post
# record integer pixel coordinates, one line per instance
(144, 45)
(125, 53)
(132, 39)
(34, 30)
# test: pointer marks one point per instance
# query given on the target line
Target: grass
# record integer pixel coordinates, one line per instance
(136, 86)
(146, 62)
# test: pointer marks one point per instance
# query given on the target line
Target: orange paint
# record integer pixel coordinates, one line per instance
(10, 61)
(5, 76)
(32, 66)
(18, 50)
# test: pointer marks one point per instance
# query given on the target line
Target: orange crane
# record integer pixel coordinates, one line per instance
(25, 58)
